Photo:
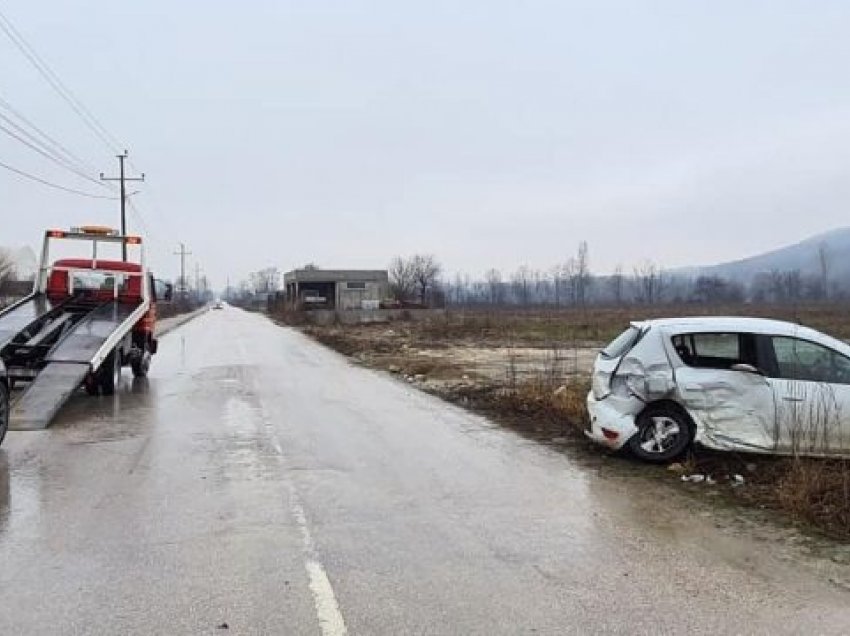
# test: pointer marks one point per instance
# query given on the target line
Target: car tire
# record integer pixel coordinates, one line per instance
(5, 407)
(664, 432)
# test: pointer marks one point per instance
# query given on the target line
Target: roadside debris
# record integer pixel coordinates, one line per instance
(699, 478)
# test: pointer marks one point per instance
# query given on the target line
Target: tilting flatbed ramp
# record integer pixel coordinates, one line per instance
(46, 395)
(67, 366)
(19, 316)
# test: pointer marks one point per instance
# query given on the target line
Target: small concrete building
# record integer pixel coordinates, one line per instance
(338, 289)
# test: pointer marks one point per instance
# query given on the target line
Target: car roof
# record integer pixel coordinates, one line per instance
(764, 326)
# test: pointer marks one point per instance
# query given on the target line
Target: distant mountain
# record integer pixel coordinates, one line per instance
(804, 256)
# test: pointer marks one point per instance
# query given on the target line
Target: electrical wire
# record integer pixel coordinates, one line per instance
(50, 156)
(61, 89)
(47, 140)
(50, 184)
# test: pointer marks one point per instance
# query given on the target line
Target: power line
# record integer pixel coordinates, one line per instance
(47, 154)
(50, 184)
(48, 141)
(51, 78)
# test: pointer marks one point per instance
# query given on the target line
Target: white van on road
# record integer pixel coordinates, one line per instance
(742, 384)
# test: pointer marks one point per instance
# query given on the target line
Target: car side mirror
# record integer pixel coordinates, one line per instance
(169, 292)
(746, 368)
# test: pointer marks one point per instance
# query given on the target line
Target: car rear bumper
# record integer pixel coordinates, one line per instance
(612, 420)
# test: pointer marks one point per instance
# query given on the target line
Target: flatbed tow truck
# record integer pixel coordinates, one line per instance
(85, 319)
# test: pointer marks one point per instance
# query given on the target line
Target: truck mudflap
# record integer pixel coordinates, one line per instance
(45, 396)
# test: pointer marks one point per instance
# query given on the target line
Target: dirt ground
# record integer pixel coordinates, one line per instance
(410, 350)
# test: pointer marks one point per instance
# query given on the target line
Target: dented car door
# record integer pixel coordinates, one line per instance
(720, 384)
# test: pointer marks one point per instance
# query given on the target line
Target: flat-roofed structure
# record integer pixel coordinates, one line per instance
(338, 289)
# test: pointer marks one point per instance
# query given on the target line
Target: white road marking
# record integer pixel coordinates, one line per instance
(327, 608)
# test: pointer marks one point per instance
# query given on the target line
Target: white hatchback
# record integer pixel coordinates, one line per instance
(741, 384)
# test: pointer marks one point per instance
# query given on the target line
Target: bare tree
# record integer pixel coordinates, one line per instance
(823, 261)
(521, 283)
(793, 283)
(426, 272)
(648, 279)
(616, 284)
(557, 283)
(7, 267)
(402, 278)
(582, 274)
(265, 280)
(569, 274)
(495, 288)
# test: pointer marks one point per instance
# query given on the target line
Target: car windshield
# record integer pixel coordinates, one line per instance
(622, 343)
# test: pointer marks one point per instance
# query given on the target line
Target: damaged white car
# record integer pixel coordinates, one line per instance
(733, 384)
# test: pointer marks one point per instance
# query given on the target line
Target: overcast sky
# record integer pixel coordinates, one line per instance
(488, 133)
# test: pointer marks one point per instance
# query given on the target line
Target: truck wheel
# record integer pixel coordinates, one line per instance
(92, 384)
(141, 364)
(109, 374)
(4, 411)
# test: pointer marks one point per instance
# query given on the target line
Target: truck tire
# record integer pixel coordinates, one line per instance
(109, 374)
(91, 384)
(4, 411)
(141, 364)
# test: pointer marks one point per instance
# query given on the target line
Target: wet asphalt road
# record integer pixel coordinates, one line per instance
(262, 481)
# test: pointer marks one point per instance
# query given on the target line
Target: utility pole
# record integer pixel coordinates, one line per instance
(123, 179)
(197, 281)
(182, 253)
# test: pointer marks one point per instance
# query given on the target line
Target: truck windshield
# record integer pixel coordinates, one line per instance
(98, 281)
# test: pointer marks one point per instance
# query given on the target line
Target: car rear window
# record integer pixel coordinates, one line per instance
(622, 343)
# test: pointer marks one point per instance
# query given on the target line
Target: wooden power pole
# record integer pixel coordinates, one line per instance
(123, 179)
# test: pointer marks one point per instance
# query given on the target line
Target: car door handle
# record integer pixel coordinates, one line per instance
(792, 398)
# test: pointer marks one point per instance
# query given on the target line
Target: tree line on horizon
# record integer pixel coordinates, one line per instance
(573, 284)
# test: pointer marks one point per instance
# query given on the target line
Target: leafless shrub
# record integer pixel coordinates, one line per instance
(7, 267)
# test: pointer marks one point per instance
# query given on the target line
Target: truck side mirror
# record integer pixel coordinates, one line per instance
(169, 292)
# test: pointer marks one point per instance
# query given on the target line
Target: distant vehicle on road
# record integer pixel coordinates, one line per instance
(218, 305)
(734, 384)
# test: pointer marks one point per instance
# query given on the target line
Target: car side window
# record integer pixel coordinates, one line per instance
(715, 350)
(810, 362)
